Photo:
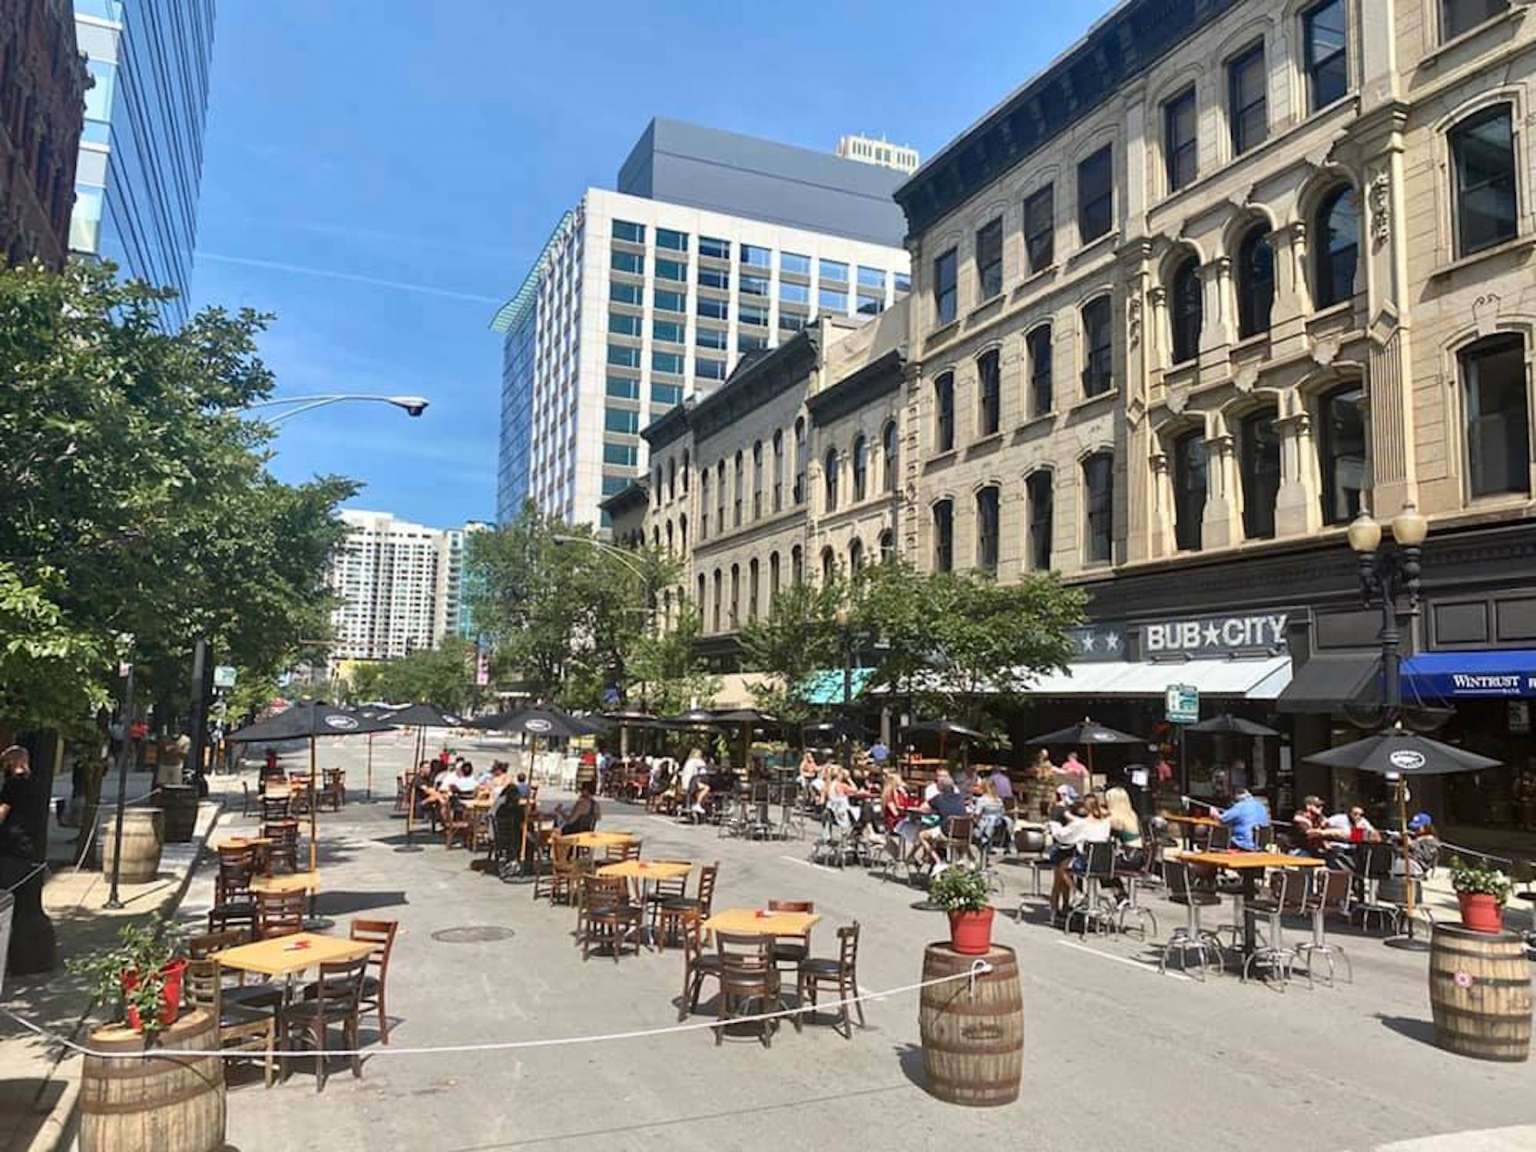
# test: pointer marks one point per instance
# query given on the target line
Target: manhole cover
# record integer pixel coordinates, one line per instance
(475, 934)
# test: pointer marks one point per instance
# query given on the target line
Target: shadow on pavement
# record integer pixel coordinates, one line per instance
(1421, 1030)
(911, 1057)
(347, 903)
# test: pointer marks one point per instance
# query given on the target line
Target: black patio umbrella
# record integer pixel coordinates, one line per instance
(945, 728)
(1230, 725)
(1397, 754)
(624, 719)
(746, 719)
(535, 722)
(309, 720)
(1088, 734)
(420, 717)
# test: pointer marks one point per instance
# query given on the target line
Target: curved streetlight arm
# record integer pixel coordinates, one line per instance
(619, 554)
(413, 405)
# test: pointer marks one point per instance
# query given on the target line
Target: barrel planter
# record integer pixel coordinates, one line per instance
(157, 1099)
(972, 1030)
(1480, 993)
(141, 844)
(179, 803)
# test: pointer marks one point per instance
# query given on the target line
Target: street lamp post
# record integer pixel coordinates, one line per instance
(414, 405)
(845, 636)
(1384, 576)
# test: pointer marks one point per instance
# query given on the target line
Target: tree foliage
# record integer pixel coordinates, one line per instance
(798, 637)
(444, 676)
(666, 676)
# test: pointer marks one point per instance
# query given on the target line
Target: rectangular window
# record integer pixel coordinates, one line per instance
(1324, 51)
(669, 301)
(746, 342)
(1483, 156)
(1461, 16)
(1180, 143)
(623, 357)
(715, 278)
(945, 301)
(621, 293)
(1099, 506)
(754, 257)
(872, 278)
(629, 262)
(755, 317)
(667, 362)
(709, 338)
(944, 536)
(830, 300)
(621, 420)
(669, 330)
(623, 455)
(1095, 195)
(989, 259)
(714, 249)
(794, 293)
(666, 394)
(754, 286)
(989, 392)
(835, 271)
(714, 309)
(623, 325)
(624, 230)
(791, 321)
(614, 484)
(1040, 228)
(944, 413)
(986, 529)
(623, 388)
(1497, 417)
(1247, 99)
(1041, 396)
(672, 270)
(671, 240)
(706, 368)
(871, 305)
(793, 264)
(903, 282)
(1098, 348)
(1038, 490)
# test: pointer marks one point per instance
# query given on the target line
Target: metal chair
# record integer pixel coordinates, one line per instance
(1331, 893)
(1091, 908)
(1190, 936)
(1376, 866)
(1132, 879)
(1287, 893)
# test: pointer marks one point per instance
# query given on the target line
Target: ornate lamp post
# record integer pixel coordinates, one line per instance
(1385, 575)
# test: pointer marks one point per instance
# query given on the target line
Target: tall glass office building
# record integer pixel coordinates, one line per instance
(141, 154)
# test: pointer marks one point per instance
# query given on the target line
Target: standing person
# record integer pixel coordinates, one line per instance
(16, 841)
(1001, 783)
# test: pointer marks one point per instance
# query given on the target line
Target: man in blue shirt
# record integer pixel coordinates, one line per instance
(1246, 814)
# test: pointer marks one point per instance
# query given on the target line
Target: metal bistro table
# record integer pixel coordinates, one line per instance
(1249, 866)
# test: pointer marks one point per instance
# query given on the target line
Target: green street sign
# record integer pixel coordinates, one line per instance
(1182, 703)
(223, 676)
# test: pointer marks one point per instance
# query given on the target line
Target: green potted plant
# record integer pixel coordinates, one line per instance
(1481, 892)
(962, 892)
(140, 978)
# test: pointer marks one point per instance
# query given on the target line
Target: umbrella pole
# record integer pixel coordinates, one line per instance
(368, 793)
(313, 847)
(410, 786)
(1402, 809)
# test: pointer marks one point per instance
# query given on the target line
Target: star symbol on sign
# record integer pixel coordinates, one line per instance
(1112, 641)
(1211, 634)
(1088, 641)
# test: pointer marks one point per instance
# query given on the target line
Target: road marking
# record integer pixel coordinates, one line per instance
(1472, 1140)
(1137, 964)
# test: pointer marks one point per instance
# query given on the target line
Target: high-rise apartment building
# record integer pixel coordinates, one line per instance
(636, 302)
(400, 584)
(880, 152)
(141, 152)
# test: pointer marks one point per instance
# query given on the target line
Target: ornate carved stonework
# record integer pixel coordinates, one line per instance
(1485, 313)
(1380, 193)
(1133, 320)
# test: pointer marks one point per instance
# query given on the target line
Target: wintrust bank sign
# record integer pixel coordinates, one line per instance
(1215, 636)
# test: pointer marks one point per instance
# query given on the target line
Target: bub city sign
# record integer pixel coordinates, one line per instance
(1216, 635)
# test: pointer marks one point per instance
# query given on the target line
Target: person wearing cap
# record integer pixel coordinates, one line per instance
(1423, 846)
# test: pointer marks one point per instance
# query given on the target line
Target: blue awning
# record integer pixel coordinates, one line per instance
(827, 687)
(1508, 673)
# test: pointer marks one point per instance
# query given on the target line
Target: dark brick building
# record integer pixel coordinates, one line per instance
(42, 87)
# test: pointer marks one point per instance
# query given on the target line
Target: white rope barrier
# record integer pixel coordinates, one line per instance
(89, 840)
(977, 968)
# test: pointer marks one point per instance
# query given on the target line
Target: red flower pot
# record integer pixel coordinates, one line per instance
(1481, 912)
(970, 933)
(170, 995)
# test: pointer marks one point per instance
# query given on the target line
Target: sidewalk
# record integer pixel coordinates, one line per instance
(39, 1086)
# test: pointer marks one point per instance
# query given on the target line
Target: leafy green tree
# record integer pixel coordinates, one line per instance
(799, 637)
(444, 676)
(666, 676)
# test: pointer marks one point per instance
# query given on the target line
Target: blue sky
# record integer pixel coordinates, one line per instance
(381, 175)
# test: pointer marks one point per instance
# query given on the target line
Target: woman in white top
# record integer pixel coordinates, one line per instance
(1086, 823)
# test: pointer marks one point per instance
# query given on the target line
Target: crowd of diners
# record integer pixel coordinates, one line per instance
(447, 780)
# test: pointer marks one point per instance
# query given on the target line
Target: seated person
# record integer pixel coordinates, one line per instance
(1247, 813)
(584, 814)
(463, 782)
(946, 804)
(1083, 823)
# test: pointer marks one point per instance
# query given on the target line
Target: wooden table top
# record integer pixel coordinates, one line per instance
(1237, 861)
(1198, 821)
(277, 792)
(288, 882)
(647, 869)
(242, 842)
(599, 839)
(288, 955)
(758, 922)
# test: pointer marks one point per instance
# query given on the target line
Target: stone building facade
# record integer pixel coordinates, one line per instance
(42, 110)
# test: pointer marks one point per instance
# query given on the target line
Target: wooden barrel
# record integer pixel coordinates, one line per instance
(1480, 991)
(973, 1037)
(179, 803)
(141, 844)
(161, 1102)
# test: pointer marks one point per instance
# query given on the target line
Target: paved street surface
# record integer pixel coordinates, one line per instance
(1116, 1055)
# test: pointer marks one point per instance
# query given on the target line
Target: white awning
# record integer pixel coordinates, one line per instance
(1253, 679)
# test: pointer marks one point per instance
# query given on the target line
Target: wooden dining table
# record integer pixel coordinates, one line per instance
(287, 882)
(645, 873)
(761, 922)
(1249, 866)
(599, 839)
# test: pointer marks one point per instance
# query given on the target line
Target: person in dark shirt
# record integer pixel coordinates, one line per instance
(15, 802)
(944, 805)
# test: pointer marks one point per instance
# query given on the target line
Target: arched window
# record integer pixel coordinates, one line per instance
(1186, 309)
(1341, 451)
(887, 546)
(987, 511)
(757, 480)
(1099, 508)
(658, 492)
(989, 393)
(778, 470)
(828, 567)
(720, 497)
(1486, 186)
(890, 456)
(802, 459)
(944, 536)
(1188, 489)
(719, 596)
(702, 593)
(829, 480)
(735, 595)
(655, 536)
(672, 479)
(773, 580)
(752, 589)
(685, 471)
(1255, 282)
(860, 468)
(1336, 247)
(796, 565)
(855, 557)
(1098, 347)
(1041, 386)
(670, 546)
(740, 478)
(682, 532)
(1038, 490)
(1497, 416)
(1259, 469)
(944, 413)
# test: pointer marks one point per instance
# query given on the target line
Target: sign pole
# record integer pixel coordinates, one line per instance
(122, 786)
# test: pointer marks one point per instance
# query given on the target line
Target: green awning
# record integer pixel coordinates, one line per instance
(827, 687)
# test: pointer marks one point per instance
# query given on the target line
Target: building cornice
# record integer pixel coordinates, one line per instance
(880, 377)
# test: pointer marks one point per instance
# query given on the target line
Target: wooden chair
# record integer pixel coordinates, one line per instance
(284, 835)
(459, 824)
(402, 794)
(673, 913)
(333, 999)
(748, 977)
(279, 914)
(335, 792)
(605, 917)
(238, 918)
(248, 799)
(841, 971)
(674, 888)
(261, 996)
(236, 867)
(241, 1028)
(273, 810)
(697, 966)
(564, 873)
(381, 934)
(618, 853)
(790, 950)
